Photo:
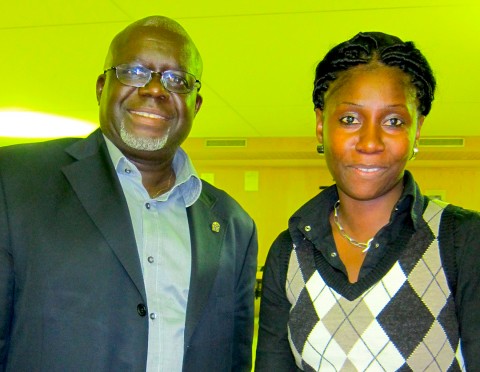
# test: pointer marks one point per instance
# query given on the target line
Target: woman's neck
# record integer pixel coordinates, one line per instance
(362, 219)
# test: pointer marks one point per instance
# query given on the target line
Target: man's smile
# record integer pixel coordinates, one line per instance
(150, 115)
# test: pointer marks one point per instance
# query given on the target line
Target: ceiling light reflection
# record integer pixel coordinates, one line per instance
(27, 124)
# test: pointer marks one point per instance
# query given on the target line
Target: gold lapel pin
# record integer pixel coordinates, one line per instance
(215, 227)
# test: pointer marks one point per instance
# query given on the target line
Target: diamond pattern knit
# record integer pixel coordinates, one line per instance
(406, 321)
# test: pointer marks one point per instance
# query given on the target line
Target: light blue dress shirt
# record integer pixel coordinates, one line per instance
(163, 241)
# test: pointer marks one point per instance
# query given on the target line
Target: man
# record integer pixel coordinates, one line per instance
(114, 256)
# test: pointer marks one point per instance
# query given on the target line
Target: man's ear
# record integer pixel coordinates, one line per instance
(319, 127)
(198, 103)
(99, 87)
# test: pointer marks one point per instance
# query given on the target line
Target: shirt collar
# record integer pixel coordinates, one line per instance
(187, 181)
(312, 219)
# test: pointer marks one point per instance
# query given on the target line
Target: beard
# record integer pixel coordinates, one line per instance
(142, 143)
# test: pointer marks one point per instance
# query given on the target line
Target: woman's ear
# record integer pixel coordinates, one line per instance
(420, 120)
(319, 127)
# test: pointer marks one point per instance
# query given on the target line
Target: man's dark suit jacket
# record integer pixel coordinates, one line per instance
(72, 296)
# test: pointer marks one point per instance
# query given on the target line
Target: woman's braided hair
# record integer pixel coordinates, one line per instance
(389, 50)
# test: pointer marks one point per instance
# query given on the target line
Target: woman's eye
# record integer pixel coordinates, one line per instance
(349, 120)
(394, 122)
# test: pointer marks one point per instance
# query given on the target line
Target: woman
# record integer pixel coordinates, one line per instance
(359, 280)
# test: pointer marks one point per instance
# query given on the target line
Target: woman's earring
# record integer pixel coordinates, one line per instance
(320, 149)
(414, 153)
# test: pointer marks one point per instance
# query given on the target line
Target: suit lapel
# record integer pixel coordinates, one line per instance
(95, 182)
(207, 233)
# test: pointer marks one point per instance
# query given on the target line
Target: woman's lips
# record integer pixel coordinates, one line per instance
(367, 170)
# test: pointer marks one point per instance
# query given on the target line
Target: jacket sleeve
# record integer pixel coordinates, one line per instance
(6, 282)
(273, 349)
(467, 299)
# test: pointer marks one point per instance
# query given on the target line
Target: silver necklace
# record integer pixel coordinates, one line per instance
(365, 246)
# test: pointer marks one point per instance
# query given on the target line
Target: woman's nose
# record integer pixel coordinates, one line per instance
(370, 138)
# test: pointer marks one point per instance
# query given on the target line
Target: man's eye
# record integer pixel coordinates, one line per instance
(137, 71)
(177, 80)
(349, 120)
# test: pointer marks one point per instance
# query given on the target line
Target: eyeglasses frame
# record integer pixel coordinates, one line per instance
(197, 82)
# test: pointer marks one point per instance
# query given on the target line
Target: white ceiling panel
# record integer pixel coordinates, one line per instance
(259, 56)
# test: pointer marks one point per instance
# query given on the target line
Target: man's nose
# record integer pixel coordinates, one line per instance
(154, 87)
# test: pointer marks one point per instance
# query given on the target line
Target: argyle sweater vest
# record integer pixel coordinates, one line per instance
(404, 322)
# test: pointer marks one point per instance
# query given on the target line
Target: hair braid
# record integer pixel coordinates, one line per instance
(367, 47)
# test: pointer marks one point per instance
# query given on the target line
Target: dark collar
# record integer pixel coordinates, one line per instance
(312, 219)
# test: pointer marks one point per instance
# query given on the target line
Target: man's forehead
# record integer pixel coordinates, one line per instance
(152, 49)
(154, 33)
(135, 40)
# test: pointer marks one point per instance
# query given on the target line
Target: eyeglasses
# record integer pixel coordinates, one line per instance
(139, 76)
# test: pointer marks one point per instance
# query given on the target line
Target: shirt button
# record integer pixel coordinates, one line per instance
(128, 171)
(307, 228)
(147, 205)
(377, 245)
(141, 309)
(333, 254)
(150, 259)
(153, 316)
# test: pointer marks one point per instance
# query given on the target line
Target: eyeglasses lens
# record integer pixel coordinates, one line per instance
(133, 76)
(139, 76)
(178, 82)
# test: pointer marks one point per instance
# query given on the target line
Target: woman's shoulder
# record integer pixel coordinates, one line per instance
(462, 218)
(461, 226)
(279, 253)
(282, 245)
